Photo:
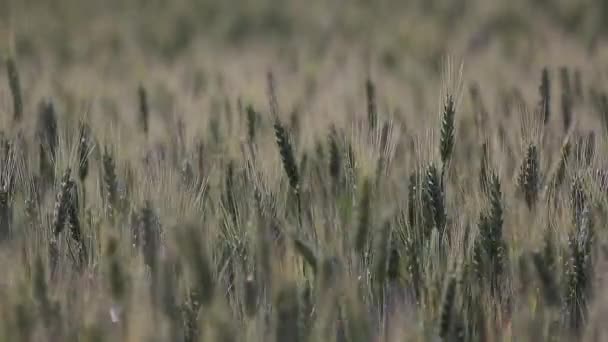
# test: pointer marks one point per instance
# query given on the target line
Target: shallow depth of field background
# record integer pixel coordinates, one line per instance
(195, 224)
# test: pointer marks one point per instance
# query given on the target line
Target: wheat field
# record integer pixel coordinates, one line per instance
(322, 170)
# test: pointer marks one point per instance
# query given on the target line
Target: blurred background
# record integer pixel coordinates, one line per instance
(86, 49)
(390, 30)
(423, 30)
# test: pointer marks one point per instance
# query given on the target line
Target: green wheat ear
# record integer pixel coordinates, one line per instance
(287, 314)
(567, 98)
(150, 235)
(196, 255)
(496, 246)
(60, 214)
(62, 202)
(48, 140)
(83, 151)
(251, 123)
(529, 177)
(560, 172)
(228, 199)
(496, 212)
(191, 309)
(355, 321)
(287, 155)
(117, 276)
(289, 164)
(73, 221)
(412, 199)
(372, 111)
(383, 253)
(394, 260)
(5, 213)
(303, 167)
(110, 182)
(484, 176)
(447, 308)
(419, 207)
(307, 253)
(579, 272)
(144, 112)
(549, 253)
(364, 222)
(578, 200)
(15, 87)
(447, 130)
(251, 296)
(547, 280)
(32, 208)
(433, 193)
(329, 272)
(490, 248)
(585, 148)
(306, 310)
(335, 158)
(40, 288)
(413, 262)
(545, 95)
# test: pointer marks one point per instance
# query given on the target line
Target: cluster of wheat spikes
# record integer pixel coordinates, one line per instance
(364, 237)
